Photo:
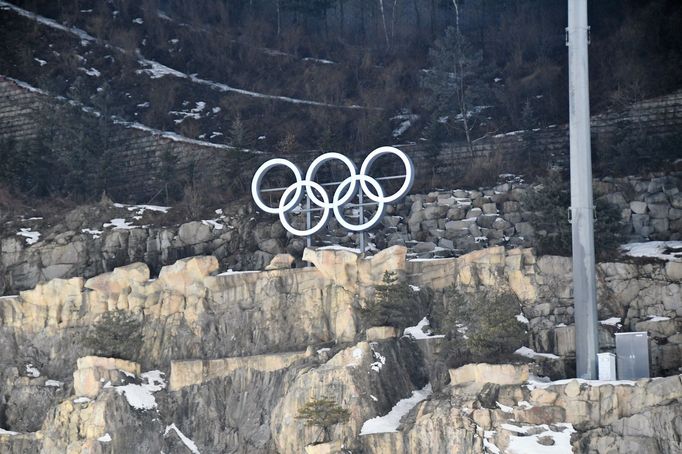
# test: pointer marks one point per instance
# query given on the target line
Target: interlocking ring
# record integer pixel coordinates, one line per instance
(324, 204)
(344, 193)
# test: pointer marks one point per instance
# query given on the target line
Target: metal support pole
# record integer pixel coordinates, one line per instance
(308, 221)
(584, 281)
(308, 224)
(362, 220)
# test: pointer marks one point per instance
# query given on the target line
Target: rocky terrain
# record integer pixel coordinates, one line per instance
(91, 240)
(227, 359)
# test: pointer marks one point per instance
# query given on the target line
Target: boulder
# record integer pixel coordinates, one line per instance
(658, 210)
(94, 372)
(185, 272)
(119, 279)
(674, 271)
(638, 207)
(456, 213)
(658, 328)
(271, 246)
(487, 220)
(525, 229)
(377, 333)
(640, 222)
(426, 246)
(489, 208)
(194, 232)
(676, 200)
(281, 262)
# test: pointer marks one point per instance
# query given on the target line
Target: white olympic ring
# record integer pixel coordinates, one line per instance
(344, 193)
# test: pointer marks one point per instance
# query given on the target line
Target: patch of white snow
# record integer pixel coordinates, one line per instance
(613, 321)
(32, 371)
(141, 396)
(521, 443)
(391, 421)
(186, 441)
(522, 318)
(664, 250)
(119, 224)
(418, 332)
(106, 438)
(529, 353)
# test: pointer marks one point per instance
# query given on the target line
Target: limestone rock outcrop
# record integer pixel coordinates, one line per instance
(93, 372)
(244, 351)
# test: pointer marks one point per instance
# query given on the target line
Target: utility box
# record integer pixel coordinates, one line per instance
(632, 352)
(607, 366)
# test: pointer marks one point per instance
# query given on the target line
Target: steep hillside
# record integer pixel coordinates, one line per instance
(157, 83)
(349, 75)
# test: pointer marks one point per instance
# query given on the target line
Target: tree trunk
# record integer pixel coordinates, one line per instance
(383, 20)
(393, 16)
(416, 13)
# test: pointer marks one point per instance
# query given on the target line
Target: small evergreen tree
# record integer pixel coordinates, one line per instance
(479, 327)
(116, 334)
(548, 204)
(395, 303)
(455, 81)
(496, 328)
(323, 413)
(237, 132)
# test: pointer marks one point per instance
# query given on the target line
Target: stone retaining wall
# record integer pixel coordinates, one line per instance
(140, 150)
(439, 224)
(659, 116)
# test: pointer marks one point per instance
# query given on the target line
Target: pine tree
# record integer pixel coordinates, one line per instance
(116, 334)
(395, 303)
(323, 413)
(237, 132)
(479, 327)
(455, 81)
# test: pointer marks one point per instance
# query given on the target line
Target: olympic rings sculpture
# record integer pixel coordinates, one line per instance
(344, 193)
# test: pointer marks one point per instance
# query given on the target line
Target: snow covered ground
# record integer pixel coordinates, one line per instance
(391, 421)
(544, 382)
(529, 353)
(141, 397)
(664, 250)
(418, 332)
(540, 439)
(31, 236)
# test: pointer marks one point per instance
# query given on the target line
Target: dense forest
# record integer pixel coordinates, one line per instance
(290, 75)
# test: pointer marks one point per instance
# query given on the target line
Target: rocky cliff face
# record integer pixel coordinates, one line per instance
(230, 358)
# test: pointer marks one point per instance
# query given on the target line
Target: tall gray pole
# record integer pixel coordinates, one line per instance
(582, 212)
